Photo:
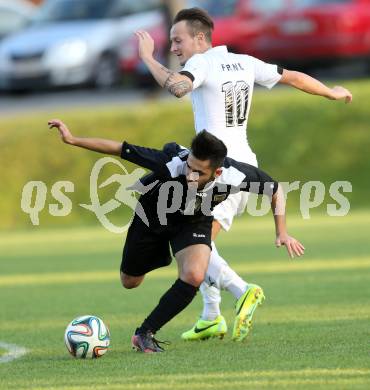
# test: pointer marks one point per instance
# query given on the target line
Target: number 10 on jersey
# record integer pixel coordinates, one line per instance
(236, 102)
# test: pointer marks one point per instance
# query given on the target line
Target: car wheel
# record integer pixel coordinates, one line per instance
(107, 73)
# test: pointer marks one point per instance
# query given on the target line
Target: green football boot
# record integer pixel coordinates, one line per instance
(203, 330)
(245, 307)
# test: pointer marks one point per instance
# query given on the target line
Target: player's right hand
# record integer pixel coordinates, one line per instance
(64, 132)
(146, 44)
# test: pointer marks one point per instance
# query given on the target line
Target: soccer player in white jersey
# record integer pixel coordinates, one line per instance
(221, 86)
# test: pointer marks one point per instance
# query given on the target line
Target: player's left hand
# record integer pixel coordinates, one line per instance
(146, 44)
(293, 246)
(64, 132)
(338, 93)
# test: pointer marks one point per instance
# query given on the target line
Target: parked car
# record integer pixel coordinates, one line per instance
(14, 15)
(297, 33)
(238, 24)
(231, 19)
(317, 32)
(73, 42)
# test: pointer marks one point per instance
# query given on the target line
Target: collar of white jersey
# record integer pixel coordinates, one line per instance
(220, 49)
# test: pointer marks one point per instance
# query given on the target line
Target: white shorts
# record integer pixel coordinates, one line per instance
(234, 205)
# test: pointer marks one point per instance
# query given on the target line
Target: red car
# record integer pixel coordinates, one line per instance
(236, 25)
(306, 32)
(288, 32)
(240, 24)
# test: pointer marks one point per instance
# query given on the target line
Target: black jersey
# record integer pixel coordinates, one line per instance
(168, 168)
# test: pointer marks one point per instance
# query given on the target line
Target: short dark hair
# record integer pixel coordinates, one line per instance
(206, 146)
(197, 20)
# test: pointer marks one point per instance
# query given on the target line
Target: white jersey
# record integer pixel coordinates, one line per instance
(222, 94)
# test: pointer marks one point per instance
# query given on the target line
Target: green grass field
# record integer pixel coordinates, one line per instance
(311, 333)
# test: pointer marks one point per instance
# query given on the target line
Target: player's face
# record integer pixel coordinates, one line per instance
(200, 172)
(183, 44)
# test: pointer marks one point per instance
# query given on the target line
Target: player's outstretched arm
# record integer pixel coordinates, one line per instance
(310, 85)
(176, 83)
(94, 144)
(293, 246)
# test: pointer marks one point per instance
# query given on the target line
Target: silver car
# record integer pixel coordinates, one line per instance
(74, 42)
(14, 15)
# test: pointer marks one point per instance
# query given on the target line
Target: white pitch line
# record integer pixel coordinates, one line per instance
(13, 352)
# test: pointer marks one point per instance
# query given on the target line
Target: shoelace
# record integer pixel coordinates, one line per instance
(157, 342)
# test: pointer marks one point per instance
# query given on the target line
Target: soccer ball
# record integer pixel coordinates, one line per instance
(87, 337)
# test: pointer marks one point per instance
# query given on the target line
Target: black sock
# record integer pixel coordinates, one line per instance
(172, 303)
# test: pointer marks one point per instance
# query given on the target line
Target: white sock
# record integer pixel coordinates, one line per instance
(220, 275)
(211, 302)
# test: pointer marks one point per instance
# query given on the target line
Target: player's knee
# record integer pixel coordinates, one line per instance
(193, 277)
(130, 282)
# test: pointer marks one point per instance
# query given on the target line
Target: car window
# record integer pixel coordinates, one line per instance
(61, 10)
(215, 7)
(267, 6)
(10, 21)
(64, 10)
(124, 7)
(310, 3)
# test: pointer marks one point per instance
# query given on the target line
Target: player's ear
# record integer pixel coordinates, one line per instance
(201, 37)
(218, 172)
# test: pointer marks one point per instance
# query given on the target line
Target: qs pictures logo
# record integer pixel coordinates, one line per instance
(34, 195)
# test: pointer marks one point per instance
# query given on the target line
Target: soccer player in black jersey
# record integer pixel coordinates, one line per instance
(199, 179)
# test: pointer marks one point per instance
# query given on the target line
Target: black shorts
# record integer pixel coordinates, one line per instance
(148, 248)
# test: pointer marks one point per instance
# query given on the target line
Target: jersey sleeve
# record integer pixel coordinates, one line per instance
(266, 74)
(196, 68)
(259, 182)
(166, 163)
(252, 179)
